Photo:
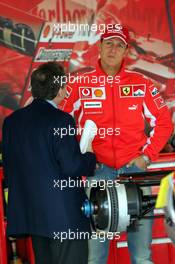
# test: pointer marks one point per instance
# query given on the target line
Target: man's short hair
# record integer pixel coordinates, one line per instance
(45, 83)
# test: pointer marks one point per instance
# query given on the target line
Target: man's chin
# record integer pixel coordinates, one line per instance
(112, 64)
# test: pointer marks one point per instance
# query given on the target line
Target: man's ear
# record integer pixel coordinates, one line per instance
(62, 91)
(99, 45)
(126, 52)
(59, 94)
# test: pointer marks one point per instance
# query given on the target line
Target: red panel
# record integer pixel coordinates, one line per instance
(3, 245)
(158, 228)
(30, 252)
(161, 253)
(24, 5)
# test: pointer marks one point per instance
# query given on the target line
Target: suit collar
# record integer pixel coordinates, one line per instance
(37, 101)
(52, 103)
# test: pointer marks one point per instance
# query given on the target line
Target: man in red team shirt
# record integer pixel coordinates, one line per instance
(119, 107)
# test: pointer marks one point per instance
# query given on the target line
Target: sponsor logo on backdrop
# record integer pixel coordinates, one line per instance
(45, 55)
(61, 11)
(68, 91)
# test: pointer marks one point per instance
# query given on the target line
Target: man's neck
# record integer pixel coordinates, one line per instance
(109, 70)
(52, 102)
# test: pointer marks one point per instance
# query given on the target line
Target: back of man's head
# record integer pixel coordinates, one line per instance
(46, 80)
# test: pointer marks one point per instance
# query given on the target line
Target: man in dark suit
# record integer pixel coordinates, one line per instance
(39, 155)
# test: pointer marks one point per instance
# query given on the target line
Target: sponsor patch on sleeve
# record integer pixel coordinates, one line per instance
(154, 91)
(160, 102)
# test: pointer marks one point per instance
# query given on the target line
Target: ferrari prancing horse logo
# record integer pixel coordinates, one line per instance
(126, 90)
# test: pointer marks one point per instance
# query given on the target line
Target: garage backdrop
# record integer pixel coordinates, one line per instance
(28, 38)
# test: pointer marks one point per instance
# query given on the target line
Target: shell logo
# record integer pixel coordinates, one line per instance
(98, 93)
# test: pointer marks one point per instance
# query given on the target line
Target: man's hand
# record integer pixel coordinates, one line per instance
(139, 162)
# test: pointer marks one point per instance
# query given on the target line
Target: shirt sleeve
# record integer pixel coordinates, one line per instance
(158, 116)
(67, 150)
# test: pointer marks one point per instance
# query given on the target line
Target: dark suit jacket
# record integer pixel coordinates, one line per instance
(35, 158)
